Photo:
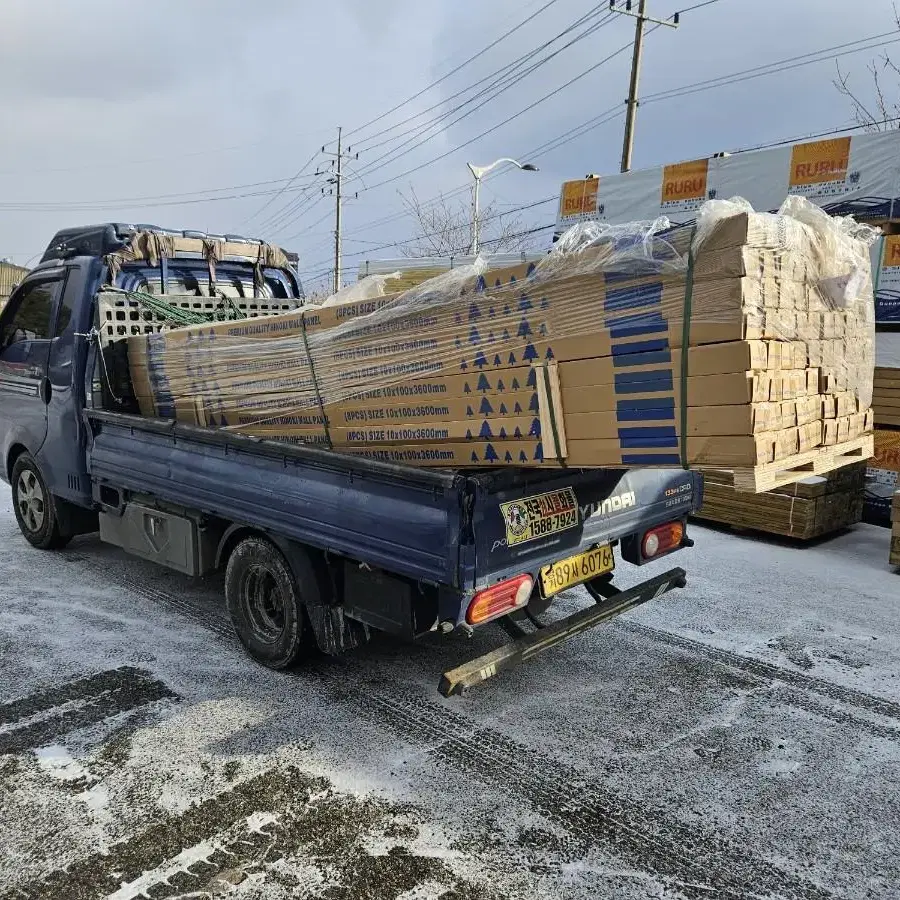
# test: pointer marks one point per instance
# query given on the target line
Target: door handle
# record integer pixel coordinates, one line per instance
(45, 390)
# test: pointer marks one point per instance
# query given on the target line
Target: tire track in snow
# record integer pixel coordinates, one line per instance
(760, 669)
(44, 716)
(701, 863)
(238, 833)
(789, 687)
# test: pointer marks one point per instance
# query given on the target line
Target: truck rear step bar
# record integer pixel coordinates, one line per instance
(610, 602)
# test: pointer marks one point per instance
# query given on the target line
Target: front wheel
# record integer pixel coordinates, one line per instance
(34, 506)
(264, 603)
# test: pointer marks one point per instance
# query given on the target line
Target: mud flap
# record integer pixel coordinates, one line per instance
(524, 648)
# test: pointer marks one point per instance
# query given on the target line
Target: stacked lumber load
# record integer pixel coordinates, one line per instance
(894, 558)
(886, 397)
(746, 343)
(808, 508)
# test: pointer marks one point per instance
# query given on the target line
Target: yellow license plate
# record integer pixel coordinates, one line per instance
(576, 569)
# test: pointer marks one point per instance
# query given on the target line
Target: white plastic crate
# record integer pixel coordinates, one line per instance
(122, 316)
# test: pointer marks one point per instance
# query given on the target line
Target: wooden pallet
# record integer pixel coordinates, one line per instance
(809, 487)
(809, 508)
(776, 474)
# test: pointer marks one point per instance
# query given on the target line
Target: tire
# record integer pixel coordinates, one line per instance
(264, 603)
(34, 506)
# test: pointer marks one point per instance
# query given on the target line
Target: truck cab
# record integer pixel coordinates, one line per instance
(313, 542)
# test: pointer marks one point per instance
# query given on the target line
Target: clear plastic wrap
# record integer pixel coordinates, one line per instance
(841, 247)
(367, 288)
(638, 248)
(576, 359)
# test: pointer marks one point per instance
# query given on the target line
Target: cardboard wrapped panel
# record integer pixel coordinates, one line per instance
(579, 358)
(594, 453)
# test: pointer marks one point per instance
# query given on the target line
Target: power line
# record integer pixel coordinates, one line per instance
(692, 8)
(396, 243)
(502, 72)
(291, 212)
(289, 182)
(583, 128)
(791, 62)
(497, 88)
(309, 227)
(507, 120)
(462, 65)
(130, 163)
(578, 131)
(721, 81)
(819, 134)
(118, 206)
(296, 207)
(291, 215)
(118, 201)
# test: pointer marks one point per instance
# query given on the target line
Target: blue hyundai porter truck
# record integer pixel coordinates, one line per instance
(319, 549)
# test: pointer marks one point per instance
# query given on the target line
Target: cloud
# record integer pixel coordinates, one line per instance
(114, 101)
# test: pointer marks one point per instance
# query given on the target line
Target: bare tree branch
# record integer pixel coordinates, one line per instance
(860, 113)
(888, 109)
(444, 228)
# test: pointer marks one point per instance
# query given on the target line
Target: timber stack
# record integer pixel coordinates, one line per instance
(746, 343)
(809, 508)
(886, 397)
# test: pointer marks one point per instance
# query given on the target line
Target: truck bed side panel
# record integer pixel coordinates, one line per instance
(407, 526)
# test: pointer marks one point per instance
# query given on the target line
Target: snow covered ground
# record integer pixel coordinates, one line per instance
(739, 738)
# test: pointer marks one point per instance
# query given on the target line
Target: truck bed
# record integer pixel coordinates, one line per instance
(439, 526)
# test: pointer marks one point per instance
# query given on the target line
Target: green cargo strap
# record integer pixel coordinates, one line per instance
(685, 346)
(315, 381)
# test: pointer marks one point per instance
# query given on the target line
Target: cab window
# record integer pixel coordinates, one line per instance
(28, 314)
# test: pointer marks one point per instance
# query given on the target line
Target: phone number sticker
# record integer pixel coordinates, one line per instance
(536, 517)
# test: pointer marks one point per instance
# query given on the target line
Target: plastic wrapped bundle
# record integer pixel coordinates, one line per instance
(741, 342)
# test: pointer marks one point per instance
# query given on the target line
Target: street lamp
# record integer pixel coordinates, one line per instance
(478, 172)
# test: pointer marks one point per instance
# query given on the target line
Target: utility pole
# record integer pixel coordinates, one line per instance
(337, 217)
(337, 180)
(632, 102)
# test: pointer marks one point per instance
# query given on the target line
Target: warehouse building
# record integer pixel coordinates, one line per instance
(10, 276)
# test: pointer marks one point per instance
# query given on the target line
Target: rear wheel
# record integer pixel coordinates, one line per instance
(34, 506)
(265, 604)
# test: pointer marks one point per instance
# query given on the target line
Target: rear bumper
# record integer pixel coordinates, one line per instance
(524, 648)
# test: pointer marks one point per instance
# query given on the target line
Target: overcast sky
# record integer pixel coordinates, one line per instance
(104, 102)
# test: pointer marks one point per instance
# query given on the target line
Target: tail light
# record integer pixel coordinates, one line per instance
(499, 599)
(662, 539)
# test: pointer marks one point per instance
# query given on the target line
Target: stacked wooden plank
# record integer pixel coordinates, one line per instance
(894, 558)
(808, 508)
(631, 349)
(886, 397)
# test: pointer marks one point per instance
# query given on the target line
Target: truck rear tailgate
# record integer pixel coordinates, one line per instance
(521, 524)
